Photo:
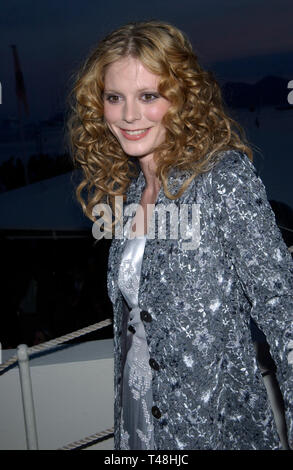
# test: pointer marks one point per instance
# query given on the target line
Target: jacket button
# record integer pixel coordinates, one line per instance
(145, 316)
(156, 412)
(131, 329)
(154, 364)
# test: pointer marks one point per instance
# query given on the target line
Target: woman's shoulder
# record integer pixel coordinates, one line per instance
(236, 183)
(232, 162)
(234, 173)
(226, 164)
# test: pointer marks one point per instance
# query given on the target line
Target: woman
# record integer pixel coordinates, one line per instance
(148, 124)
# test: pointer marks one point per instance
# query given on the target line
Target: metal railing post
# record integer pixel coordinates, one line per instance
(27, 397)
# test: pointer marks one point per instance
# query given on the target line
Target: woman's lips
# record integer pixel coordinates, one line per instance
(135, 134)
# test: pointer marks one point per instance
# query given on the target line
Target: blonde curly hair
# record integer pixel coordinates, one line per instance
(197, 125)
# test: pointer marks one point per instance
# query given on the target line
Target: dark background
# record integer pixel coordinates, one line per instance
(248, 44)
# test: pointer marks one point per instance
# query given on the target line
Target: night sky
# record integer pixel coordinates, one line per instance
(241, 40)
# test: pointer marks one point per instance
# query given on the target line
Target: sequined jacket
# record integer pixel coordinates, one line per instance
(208, 392)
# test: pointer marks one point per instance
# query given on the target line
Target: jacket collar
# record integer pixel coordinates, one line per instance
(175, 179)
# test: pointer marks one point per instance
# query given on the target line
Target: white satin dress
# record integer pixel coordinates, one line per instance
(136, 416)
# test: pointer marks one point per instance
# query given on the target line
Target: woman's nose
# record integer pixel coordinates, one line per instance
(131, 111)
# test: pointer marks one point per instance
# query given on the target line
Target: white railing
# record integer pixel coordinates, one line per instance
(37, 420)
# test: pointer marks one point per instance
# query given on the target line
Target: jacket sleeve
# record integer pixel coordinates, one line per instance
(260, 257)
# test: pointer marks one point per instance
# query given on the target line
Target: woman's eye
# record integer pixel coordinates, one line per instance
(113, 98)
(149, 96)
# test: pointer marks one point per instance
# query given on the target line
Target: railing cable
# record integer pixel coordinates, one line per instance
(55, 342)
(106, 434)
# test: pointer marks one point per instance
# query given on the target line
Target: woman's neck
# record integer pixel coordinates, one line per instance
(148, 167)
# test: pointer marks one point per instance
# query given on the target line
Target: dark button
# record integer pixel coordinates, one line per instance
(131, 329)
(156, 412)
(145, 316)
(154, 364)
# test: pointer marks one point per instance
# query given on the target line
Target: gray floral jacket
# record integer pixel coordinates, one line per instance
(196, 305)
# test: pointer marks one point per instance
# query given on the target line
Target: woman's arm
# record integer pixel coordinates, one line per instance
(261, 259)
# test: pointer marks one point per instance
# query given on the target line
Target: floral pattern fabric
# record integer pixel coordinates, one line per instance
(208, 387)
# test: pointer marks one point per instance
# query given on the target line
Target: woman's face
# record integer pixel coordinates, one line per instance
(133, 108)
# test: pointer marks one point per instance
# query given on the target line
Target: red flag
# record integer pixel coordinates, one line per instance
(19, 83)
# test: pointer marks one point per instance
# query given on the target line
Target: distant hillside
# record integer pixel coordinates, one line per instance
(269, 91)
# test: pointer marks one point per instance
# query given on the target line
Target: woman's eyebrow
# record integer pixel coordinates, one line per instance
(150, 89)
